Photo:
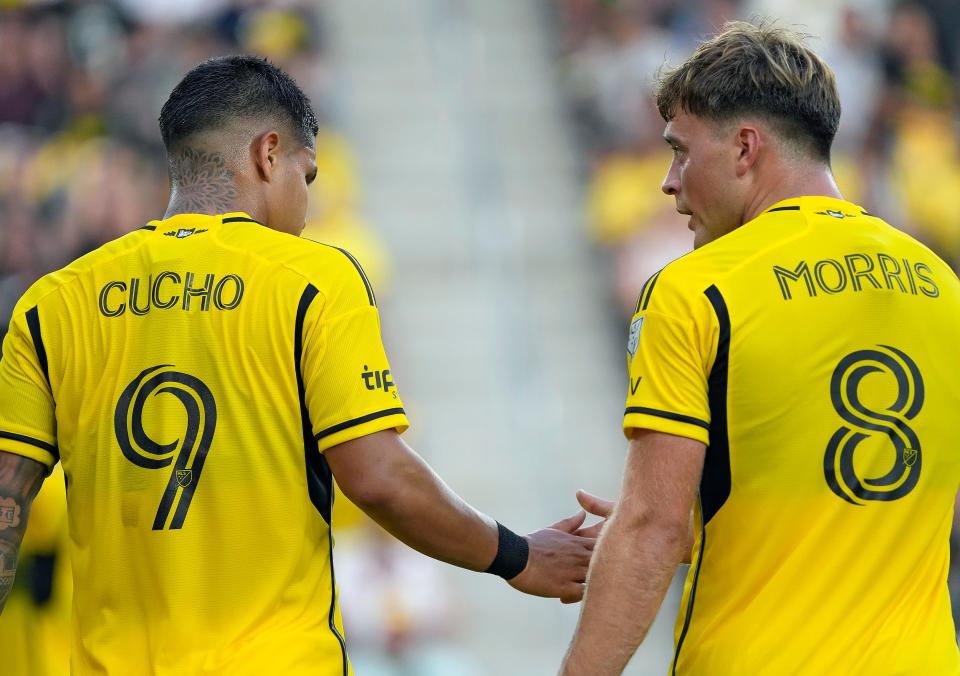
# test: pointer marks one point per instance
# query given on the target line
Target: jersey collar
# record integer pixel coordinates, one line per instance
(818, 204)
(186, 222)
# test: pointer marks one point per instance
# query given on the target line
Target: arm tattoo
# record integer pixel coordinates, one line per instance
(20, 479)
(201, 182)
(8, 569)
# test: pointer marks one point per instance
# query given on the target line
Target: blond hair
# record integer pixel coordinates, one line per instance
(757, 69)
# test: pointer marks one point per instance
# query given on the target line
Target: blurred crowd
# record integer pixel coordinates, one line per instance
(897, 151)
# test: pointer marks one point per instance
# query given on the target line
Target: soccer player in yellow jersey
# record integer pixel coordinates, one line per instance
(793, 384)
(201, 381)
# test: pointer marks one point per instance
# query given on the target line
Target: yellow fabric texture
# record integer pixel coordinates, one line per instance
(162, 371)
(808, 349)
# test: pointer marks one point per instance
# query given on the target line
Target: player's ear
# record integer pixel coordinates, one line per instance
(265, 150)
(749, 141)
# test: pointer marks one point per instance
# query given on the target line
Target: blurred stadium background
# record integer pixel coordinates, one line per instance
(495, 165)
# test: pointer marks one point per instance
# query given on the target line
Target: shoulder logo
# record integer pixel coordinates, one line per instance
(835, 214)
(184, 232)
(634, 341)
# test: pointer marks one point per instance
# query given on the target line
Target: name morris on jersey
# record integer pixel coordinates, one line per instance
(857, 271)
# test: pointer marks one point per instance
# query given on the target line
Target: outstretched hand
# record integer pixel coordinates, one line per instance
(558, 562)
(598, 507)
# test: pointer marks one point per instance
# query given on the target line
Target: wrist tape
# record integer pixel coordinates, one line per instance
(512, 554)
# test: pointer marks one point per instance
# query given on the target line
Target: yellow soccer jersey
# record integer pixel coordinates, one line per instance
(814, 351)
(189, 376)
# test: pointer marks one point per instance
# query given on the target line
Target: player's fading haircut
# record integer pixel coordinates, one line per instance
(225, 88)
(758, 69)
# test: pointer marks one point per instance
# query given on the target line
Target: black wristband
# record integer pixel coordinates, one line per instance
(512, 554)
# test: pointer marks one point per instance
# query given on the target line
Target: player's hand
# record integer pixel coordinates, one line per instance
(598, 507)
(558, 562)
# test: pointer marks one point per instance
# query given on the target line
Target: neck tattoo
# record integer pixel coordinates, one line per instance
(202, 183)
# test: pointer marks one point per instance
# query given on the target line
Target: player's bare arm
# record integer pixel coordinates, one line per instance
(20, 480)
(395, 487)
(603, 508)
(646, 538)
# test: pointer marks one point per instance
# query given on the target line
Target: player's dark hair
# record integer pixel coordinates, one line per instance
(228, 87)
(758, 69)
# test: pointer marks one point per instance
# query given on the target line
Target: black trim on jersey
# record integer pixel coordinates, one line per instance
(332, 617)
(359, 421)
(715, 483)
(363, 275)
(31, 441)
(319, 475)
(668, 415)
(33, 321)
(149, 227)
(653, 283)
(643, 290)
(644, 299)
(793, 208)
(241, 219)
(693, 594)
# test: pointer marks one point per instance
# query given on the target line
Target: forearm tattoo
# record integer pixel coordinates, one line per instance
(20, 479)
(201, 183)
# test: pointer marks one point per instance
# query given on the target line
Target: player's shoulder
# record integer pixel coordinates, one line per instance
(678, 286)
(682, 285)
(686, 279)
(52, 283)
(942, 274)
(907, 243)
(334, 272)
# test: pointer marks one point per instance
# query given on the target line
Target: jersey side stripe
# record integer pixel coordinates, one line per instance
(715, 483)
(693, 596)
(359, 421)
(33, 321)
(668, 415)
(319, 475)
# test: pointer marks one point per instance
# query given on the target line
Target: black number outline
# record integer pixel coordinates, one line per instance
(844, 394)
(193, 393)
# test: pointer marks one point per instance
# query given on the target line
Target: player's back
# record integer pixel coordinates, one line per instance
(827, 496)
(189, 417)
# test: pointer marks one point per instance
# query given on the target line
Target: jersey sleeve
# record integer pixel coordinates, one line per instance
(350, 390)
(668, 358)
(27, 412)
